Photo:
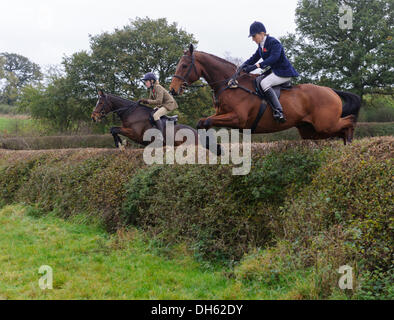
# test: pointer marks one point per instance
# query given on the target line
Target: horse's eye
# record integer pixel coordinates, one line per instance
(184, 66)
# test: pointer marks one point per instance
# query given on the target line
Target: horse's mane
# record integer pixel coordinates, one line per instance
(219, 59)
(120, 99)
(127, 102)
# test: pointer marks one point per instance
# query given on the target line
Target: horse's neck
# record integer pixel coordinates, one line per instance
(215, 71)
(127, 110)
(117, 103)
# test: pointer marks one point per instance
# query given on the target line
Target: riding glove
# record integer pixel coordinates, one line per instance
(249, 68)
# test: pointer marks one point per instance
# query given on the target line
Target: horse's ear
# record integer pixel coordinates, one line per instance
(100, 92)
(191, 48)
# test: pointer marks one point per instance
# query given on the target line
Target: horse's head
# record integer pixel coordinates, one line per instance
(187, 72)
(102, 107)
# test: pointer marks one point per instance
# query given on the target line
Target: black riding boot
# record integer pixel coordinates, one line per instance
(160, 125)
(276, 106)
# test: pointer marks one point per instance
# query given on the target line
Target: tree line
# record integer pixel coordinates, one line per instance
(358, 59)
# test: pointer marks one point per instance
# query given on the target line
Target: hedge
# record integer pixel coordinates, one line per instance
(310, 205)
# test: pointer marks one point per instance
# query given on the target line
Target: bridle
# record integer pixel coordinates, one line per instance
(230, 83)
(192, 66)
(103, 113)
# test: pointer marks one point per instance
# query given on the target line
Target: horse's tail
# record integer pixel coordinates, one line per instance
(352, 103)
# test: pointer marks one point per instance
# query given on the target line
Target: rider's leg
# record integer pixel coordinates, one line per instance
(159, 124)
(266, 84)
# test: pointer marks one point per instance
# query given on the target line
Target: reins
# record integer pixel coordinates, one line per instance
(232, 82)
(117, 111)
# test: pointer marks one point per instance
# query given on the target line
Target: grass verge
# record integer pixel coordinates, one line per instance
(89, 263)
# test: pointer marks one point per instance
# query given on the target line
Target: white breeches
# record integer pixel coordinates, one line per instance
(159, 113)
(272, 80)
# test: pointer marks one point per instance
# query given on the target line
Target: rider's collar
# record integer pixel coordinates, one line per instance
(263, 42)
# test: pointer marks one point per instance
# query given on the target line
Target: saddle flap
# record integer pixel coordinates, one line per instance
(258, 89)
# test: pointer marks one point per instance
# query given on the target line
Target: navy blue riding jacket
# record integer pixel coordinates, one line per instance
(273, 55)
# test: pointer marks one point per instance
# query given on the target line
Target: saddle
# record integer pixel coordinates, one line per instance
(277, 89)
(163, 119)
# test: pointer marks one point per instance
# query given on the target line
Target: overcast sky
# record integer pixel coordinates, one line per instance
(46, 30)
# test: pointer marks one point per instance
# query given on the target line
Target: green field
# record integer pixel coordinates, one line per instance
(89, 263)
(16, 125)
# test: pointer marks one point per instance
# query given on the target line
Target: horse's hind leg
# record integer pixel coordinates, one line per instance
(347, 130)
(307, 131)
(349, 134)
(343, 127)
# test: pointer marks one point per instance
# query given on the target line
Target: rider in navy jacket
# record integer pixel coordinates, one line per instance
(271, 51)
(273, 55)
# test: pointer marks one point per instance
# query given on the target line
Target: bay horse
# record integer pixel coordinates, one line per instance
(136, 119)
(316, 111)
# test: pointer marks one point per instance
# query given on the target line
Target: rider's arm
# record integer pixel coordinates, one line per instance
(159, 97)
(274, 56)
(253, 59)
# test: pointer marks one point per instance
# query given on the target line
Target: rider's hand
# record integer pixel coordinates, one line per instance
(249, 68)
(144, 101)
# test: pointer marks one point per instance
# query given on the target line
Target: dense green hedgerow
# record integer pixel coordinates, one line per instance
(220, 219)
(73, 182)
(345, 216)
(304, 209)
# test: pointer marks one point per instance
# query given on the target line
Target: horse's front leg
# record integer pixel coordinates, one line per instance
(229, 120)
(132, 135)
(115, 131)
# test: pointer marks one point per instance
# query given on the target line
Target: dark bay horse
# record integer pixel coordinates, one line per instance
(316, 111)
(135, 118)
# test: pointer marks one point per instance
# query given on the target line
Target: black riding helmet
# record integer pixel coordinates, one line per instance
(256, 27)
